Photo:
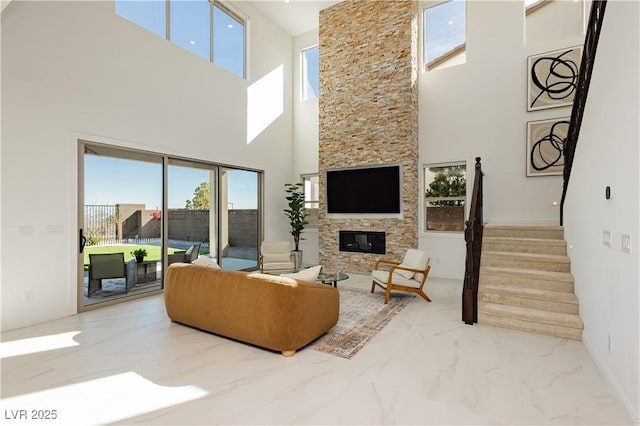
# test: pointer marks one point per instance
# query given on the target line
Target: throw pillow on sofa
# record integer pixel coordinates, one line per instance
(206, 261)
(309, 274)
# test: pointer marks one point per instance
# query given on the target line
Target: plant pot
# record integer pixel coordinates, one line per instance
(298, 256)
(139, 259)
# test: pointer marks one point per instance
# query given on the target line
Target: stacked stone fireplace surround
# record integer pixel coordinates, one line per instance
(368, 109)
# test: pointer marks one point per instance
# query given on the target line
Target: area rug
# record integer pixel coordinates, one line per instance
(362, 316)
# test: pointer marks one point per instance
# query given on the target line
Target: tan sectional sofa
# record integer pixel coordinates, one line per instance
(277, 313)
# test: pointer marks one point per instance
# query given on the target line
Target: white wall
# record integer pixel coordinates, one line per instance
(479, 109)
(606, 278)
(76, 69)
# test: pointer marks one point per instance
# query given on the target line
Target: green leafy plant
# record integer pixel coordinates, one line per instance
(449, 181)
(296, 212)
(139, 252)
(92, 240)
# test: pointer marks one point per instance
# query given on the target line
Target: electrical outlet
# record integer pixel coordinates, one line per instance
(626, 243)
(606, 238)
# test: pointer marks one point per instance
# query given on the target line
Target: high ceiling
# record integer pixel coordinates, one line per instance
(296, 16)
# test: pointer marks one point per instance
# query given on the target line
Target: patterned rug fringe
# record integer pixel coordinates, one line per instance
(362, 316)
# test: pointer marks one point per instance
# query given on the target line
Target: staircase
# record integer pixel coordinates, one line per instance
(525, 281)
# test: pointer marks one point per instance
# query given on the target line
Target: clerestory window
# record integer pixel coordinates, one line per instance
(445, 34)
(309, 60)
(206, 28)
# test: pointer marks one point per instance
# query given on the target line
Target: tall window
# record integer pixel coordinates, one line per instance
(445, 34)
(312, 198)
(311, 191)
(204, 27)
(310, 78)
(445, 196)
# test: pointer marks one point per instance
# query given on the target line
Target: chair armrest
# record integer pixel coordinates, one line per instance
(385, 261)
(404, 268)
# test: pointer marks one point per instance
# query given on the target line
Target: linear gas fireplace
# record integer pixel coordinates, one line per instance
(363, 241)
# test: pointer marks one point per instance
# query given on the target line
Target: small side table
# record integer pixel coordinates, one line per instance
(146, 271)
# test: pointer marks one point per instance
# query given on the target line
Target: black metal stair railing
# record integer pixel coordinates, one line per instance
(473, 237)
(596, 17)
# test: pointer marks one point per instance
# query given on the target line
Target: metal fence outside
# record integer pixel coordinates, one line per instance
(100, 222)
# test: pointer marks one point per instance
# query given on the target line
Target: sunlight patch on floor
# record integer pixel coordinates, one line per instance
(38, 344)
(102, 401)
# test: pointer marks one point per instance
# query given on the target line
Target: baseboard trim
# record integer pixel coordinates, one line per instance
(610, 379)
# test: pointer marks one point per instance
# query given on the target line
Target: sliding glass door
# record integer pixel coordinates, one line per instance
(239, 218)
(120, 223)
(192, 210)
(140, 211)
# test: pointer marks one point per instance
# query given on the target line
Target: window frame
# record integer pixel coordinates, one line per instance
(453, 52)
(425, 199)
(232, 11)
(308, 177)
(241, 19)
(304, 73)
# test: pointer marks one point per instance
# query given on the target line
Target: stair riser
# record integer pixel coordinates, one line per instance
(532, 327)
(536, 265)
(526, 302)
(550, 234)
(524, 248)
(565, 286)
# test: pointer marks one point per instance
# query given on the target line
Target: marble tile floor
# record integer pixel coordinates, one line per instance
(128, 364)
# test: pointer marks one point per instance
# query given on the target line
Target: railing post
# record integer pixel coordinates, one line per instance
(473, 238)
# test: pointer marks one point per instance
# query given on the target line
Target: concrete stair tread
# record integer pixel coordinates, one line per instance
(556, 258)
(531, 315)
(529, 273)
(531, 327)
(530, 293)
(522, 240)
(518, 227)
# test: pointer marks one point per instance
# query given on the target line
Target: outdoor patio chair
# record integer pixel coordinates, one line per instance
(187, 256)
(109, 266)
(408, 275)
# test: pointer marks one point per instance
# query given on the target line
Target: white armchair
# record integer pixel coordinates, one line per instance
(408, 275)
(276, 257)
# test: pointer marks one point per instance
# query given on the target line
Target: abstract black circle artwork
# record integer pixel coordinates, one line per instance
(545, 140)
(552, 78)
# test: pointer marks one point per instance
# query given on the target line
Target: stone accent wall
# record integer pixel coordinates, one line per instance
(369, 116)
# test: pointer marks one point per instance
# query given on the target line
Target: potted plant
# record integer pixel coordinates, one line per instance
(139, 254)
(297, 215)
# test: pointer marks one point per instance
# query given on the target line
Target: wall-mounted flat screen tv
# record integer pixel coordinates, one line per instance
(364, 190)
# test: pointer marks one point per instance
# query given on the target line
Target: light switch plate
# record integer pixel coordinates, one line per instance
(606, 238)
(626, 243)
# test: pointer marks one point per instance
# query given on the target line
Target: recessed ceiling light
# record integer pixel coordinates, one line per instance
(230, 26)
(287, 1)
(192, 42)
(450, 22)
